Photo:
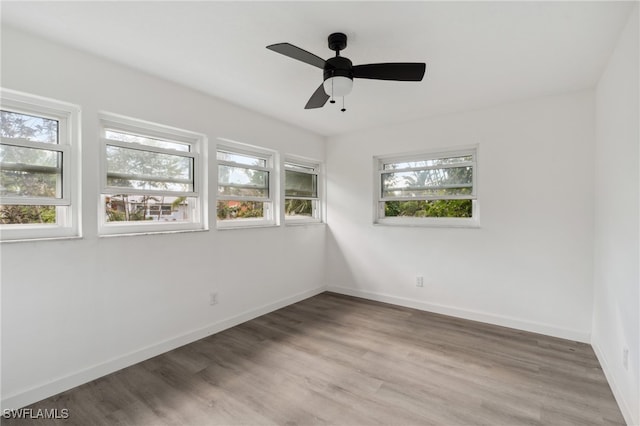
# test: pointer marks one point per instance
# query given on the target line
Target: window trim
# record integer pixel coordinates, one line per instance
(319, 208)
(272, 166)
(379, 200)
(198, 152)
(68, 219)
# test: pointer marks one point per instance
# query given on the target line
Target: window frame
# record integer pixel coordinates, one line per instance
(68, 220)
(379, 207)
(317, 202)
(271, 167)
(197, 152)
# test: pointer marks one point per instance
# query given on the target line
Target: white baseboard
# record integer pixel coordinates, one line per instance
(45, 390)
(622, 403)
(504, 321)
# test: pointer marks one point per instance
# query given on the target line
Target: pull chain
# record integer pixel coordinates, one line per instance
(332, 100)
(343, 108)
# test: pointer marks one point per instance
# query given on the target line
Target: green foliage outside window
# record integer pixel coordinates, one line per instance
(27, 214)
(429, 208)
(295, 207)
(240, 209)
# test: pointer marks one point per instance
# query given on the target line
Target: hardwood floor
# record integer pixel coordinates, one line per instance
(334, 359)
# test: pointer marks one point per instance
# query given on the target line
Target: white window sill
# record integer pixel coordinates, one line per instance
(246, 226)
(41, 239)
(137, 234)
(473, 224)
(303, 223)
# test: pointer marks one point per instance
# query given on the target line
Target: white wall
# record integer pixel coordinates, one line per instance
(616, 323)
(529, 266)
(74, 310)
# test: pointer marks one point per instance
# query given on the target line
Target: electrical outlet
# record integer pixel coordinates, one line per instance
(419, 281)
(213, 299)
(625, 358)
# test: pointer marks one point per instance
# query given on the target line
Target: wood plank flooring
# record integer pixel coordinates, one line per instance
(333, 359)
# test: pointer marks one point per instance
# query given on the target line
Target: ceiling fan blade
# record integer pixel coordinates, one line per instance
(399, 71)
(294, 52)
(318, 99)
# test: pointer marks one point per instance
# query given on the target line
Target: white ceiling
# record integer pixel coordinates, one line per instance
(478, 54)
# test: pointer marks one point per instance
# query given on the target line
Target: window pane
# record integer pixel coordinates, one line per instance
(431, 208)
(421, 182)
(247, 160)
(20, 214)
(428, 163)
(11, 156)
(29, 172)
(144, 140)
(22, 126)
(132, 168)
(299, 184)
(293, 207)
(238, 209)
(135, 208)
(242, 181)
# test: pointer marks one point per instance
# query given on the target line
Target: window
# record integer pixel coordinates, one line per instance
(301, 191)
(39, 167)
(246, 186)
(434, 189)
(152, 177)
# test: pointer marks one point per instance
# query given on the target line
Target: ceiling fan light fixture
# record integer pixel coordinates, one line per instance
(338, 86)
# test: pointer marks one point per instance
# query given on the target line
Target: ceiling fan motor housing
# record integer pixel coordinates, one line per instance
(338, 67)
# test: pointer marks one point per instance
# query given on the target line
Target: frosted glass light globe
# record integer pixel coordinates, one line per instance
(341, 86)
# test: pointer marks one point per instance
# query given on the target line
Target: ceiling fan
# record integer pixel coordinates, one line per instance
(339, 72)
